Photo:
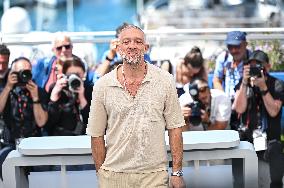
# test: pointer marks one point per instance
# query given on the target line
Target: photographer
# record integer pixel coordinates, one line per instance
(190, 67)
(4, 62)
(259, 97)
(213, 105)
(23, 104)
(70, 99)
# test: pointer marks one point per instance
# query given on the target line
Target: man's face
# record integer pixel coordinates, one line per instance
(204, 94)
(132, 46)
(63, 48)
(4, 61)
(238, 51)
(192, 71)
(21, 65)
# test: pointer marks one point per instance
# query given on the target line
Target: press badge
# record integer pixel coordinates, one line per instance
(259, 140)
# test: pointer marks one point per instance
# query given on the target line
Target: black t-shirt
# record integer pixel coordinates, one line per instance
(255, 104)
(19, 116)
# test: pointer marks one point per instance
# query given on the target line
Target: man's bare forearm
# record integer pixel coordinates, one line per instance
(217, 84)
(4, 97)
(176, 145)
(98, 151)
(41, 115)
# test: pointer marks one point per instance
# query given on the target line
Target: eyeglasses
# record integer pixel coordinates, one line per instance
(202, 89)
(67, 47)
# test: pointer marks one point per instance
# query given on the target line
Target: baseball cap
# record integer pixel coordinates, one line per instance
(259, 56)
(235, 37)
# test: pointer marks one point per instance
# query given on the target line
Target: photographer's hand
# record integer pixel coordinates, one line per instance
(33, 89)
(205, 116)
(11, 81)
(186, 111)
(60, 84)
(81, 96)
(260, 82)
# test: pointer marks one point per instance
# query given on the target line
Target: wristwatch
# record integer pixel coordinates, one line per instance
(108, 59)
(263, 93)
(178, 173)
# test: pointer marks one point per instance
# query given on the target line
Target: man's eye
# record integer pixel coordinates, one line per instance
(125, 42)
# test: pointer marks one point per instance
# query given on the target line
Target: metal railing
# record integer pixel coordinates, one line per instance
(153, 36)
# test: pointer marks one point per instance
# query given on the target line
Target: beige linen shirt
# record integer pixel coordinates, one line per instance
(135, 126)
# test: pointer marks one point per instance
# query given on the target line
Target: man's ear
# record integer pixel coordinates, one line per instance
(147, 46)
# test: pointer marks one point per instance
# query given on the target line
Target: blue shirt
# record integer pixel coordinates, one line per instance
(42, 70)
(225, 71)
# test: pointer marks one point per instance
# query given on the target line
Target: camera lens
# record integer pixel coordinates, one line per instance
(74, 82)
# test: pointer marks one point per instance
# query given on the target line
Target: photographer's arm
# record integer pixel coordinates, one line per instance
(272, 106)
(98, 151)
(12, 79)
(40, 114)
(240, 102)
(217, 83)
(3, 98)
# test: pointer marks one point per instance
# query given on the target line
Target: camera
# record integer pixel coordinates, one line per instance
(196, 106)
(24, 76)
(74, 82)
(255, 71)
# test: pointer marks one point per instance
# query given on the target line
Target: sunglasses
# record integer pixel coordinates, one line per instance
(202, 89)
(67, 47)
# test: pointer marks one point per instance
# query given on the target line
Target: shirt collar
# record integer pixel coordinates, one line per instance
(114, 81)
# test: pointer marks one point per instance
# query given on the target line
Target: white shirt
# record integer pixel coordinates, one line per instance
(220, 105)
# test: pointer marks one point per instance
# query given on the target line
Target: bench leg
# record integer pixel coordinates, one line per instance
(238, 172)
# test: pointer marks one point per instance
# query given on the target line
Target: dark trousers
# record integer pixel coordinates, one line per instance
(275, 158)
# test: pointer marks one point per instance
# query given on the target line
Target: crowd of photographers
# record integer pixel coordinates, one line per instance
(245, 98)
(53, 97)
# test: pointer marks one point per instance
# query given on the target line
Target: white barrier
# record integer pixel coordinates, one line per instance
(204, 145)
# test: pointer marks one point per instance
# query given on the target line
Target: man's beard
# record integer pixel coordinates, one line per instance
(132, 60)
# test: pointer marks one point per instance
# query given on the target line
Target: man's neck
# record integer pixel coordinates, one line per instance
(134, 71)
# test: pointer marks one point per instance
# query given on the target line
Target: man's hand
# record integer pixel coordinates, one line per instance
(81, 95)
(260, 82)
(177, 182)
(60, 84)
(33, 89)
(186, 111)
(11, 81)
(113, 48)
(205, 116)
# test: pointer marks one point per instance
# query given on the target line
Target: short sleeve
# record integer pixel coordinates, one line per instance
(219, 66)
(279, 90)
(223, 111)
(172, 111)
(97, 121)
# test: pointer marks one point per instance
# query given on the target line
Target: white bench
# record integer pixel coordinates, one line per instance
(204, 145)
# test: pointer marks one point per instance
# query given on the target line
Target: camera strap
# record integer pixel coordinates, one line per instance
(22, 97)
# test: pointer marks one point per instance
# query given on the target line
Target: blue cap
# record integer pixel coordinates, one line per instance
(235, 37)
